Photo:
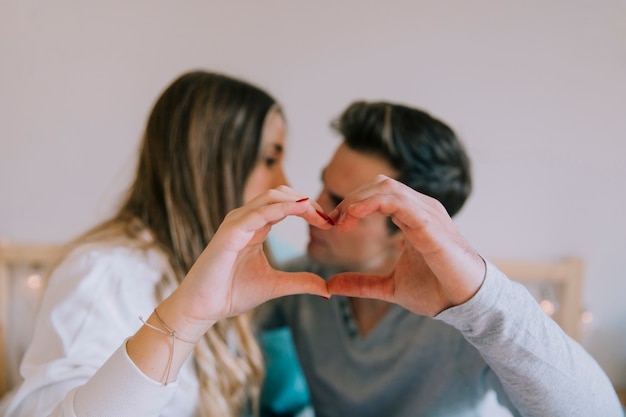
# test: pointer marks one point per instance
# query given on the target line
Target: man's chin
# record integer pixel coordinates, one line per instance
(321, 256)
(313, 251)
(317, 253)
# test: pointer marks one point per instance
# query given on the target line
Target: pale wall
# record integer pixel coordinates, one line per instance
(537, 90)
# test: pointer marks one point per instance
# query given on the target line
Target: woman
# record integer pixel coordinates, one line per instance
(211, 144)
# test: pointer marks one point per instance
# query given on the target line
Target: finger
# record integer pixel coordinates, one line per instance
(275, 195)
(272, 213)
(314, 214)
(276, 212)
(349, 215)
(386, 196)
(353, 284)
(362, 202)
(290, 283)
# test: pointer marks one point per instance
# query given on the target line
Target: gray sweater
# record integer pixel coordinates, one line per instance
(411, 365)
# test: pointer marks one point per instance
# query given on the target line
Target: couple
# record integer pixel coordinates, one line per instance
(417, 323)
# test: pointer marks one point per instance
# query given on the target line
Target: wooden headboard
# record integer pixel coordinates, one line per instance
(22, 276)
(557, 286)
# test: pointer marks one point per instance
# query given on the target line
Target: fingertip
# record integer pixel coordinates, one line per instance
(322, 225)
(323, 295)
(340, 214)
(301, 283)
(325, 217)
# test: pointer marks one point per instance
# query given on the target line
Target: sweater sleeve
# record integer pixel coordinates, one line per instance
(117, 389)
(75, 365)
(542, 370)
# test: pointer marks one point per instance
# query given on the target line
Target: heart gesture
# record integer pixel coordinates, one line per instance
(437, 268)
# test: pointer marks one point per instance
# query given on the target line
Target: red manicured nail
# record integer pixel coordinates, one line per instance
(325, 298)
(302, 199)
(325, 217)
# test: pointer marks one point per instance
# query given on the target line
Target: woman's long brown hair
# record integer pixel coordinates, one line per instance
(200, 144)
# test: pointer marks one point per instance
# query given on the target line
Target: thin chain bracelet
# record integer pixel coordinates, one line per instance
(171, 333)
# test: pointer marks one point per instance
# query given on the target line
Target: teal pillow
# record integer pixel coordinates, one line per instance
(284, 391)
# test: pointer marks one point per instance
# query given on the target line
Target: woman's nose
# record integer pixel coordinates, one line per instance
(281, 178)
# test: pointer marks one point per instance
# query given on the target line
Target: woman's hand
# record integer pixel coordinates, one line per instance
(230, 277)
(437, 269)
(233, 275)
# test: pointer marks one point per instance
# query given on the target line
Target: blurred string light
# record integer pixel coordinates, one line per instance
(548, 307)
(586, 317)
(34, 282)
(547, 299)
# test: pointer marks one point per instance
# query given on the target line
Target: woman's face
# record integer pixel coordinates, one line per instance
(268, 172)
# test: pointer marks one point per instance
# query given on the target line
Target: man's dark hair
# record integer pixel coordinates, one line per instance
(425, 151)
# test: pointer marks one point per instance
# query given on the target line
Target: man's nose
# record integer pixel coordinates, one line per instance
(325, 203)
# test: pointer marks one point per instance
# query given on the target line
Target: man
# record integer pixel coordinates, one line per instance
(435, 327)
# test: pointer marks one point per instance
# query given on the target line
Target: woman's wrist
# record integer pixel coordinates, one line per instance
(157, 354)
(165, 341)
(173, 312)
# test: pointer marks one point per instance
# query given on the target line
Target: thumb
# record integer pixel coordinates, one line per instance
(290, 283)
(354, 284)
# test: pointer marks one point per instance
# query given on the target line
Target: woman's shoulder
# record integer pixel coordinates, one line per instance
(118, 253)
(114, 265)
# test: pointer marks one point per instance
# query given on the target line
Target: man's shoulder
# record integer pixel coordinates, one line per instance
(301, 263)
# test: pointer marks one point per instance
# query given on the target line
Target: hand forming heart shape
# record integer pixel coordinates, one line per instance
(437, 268)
